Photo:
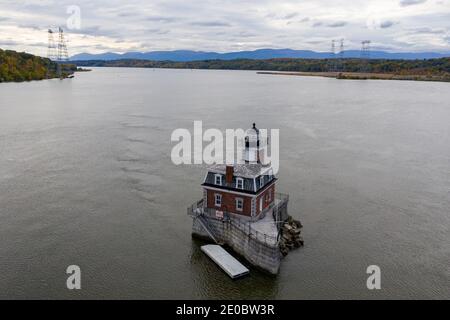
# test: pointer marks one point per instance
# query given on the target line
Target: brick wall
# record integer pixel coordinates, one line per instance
(267, 197)
(229, 202)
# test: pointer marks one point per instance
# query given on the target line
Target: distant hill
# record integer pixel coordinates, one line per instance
(187, 55)
(21, 66)
(429, 69)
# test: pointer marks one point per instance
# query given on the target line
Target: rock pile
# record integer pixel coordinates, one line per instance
(290, 236)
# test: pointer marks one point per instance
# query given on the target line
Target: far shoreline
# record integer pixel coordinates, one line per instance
(359, 76)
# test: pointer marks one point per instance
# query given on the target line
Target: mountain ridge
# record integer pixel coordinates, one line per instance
(190, 55)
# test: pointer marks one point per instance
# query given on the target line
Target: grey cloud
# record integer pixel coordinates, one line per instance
(245, 34)
(314, 41)
(162, 19)
(127, 14)
(30, 26)
(38, 44)
(291, 15)
(101, 47)
(92, 30)
(426, 30)
(386, 24)
(210, 24)
(8, 43)
(337, 24)
(157, 31)
(306, 19)
(405, 3)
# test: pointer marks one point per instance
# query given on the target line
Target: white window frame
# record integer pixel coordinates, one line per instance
(220, 179)
(261, 181)
(270, 174)
(269, 196)
(241, 201)
(217, 196)
(239, 180)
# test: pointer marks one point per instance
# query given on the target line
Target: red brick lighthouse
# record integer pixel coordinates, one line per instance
(241, 209)
(245, 189)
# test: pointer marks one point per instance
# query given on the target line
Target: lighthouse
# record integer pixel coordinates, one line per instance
(255, 146)
(240, 207)
(245, 189)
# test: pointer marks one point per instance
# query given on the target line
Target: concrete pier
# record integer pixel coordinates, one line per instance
(256, 241)
(225, 261)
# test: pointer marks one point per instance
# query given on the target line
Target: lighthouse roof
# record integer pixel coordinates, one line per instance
(242, 170)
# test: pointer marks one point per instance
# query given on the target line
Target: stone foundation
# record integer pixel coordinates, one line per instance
(259, 253)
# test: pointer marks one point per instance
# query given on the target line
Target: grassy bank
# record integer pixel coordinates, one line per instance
(366, 75)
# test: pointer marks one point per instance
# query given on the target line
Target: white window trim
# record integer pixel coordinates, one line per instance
(220, 179)
(217, 196)
(269, 195)
(237, 200)
(237, 183)
(261, 181)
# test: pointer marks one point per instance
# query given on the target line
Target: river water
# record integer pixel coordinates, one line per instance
(86, 179)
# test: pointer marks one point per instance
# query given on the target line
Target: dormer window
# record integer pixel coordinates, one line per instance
(218, 179)
(239, 183)
(261, 181)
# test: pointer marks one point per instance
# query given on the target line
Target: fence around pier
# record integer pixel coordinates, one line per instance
(244, 224)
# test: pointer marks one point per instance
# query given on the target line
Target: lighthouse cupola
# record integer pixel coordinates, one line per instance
(254, 146)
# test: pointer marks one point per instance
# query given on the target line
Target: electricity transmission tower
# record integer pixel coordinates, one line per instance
(365, 55)
(57, 52)
(340, 63)
(62, 47)
(51, 49)
(332, 60)
(341, 49)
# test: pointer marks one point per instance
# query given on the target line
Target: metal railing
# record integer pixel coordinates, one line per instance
(244, 224)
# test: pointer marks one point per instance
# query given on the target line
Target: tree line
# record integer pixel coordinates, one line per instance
(402, 67)
(21, 66)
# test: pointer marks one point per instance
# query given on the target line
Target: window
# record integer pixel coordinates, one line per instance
(239, 183)
(239, 204)
(218, 200)
(270, 174)
(261, 181)
(218, 179)
(268, 196)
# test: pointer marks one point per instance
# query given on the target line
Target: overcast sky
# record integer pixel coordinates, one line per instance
(226, 25)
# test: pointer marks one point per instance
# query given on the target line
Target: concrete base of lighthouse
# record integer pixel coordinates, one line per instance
(259, 254)
(260, 249)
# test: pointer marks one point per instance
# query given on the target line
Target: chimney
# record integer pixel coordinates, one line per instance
(229, 174)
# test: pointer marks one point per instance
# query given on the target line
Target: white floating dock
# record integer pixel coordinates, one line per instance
(225, 261)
